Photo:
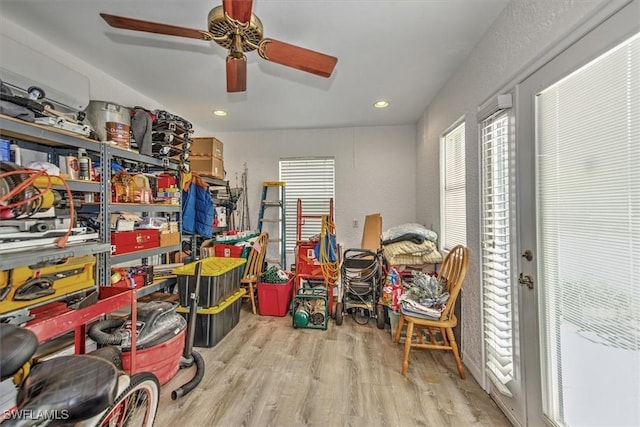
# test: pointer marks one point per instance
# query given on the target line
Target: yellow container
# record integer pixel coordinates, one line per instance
(213, 266)
(220, 278)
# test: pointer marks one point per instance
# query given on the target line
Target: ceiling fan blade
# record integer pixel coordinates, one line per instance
(238, 10)
(236, 73)
(155, 27)
(297, 57)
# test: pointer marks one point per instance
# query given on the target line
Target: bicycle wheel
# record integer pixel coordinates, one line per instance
(136, 405)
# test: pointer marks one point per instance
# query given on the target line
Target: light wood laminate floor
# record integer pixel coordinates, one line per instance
(266, 373)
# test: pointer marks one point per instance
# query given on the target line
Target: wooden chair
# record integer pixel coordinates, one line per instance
(253, 268)
(454, 269)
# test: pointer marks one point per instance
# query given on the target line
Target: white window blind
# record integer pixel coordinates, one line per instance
(588, 233)
(454, 205)
(496, 249)
(312, 180)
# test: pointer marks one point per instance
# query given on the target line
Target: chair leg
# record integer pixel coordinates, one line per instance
(407, 347)
(445, 341)
(398, 332)
(432, 335)
(252, 297)
(456, 354)
(419, 334)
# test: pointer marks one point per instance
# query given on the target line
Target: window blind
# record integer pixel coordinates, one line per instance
(454, 209)
(312, 180)
(588, 233)
(496, 249)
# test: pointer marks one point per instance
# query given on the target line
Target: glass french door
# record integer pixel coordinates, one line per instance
(499, 284)
(579, 182)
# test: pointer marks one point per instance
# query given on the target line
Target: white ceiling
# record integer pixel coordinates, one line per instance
(399, 50)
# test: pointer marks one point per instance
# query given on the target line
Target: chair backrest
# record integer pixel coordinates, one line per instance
(255, 259)
(454, 269)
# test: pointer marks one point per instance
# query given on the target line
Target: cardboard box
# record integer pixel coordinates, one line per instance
(208, 166)
(169, 238)
(371, 232)
(207, 146)
(218, 149)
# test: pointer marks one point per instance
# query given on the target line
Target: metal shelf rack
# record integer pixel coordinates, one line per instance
(55, 142)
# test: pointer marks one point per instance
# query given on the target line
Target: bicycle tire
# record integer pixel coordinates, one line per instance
(137, 405)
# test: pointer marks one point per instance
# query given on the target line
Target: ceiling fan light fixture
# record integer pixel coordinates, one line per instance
(381, 104)
(233, 26)
(219, 113)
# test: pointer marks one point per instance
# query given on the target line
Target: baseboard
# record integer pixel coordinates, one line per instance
(475, 369)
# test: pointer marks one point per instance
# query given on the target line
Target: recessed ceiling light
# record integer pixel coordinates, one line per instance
(220, 113)
(381, 104)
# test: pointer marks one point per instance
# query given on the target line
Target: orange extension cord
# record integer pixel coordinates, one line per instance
(330, 270)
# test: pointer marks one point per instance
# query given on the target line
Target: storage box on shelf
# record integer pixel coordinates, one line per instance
(207, 157)
(131, 241)
(169, 238)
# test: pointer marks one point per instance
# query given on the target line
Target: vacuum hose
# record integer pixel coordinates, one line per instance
(188, 355)
(97, 332)
(187, 387)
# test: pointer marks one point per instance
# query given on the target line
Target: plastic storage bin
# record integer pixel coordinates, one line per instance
(219, 279)
(274, 298)
(228, 251)
(214, 323)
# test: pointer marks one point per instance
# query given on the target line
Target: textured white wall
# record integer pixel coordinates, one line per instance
(375, 170)
(375, 166)
(524, 34)
(378, 168)
(102, 86)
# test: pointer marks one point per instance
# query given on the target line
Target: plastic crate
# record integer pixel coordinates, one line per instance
(214, 323)
(219, 279)
(274, 298)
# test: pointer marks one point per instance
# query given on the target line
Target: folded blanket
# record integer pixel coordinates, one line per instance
(409, 248)
(410, 253)
(419, 229)
(411, 237)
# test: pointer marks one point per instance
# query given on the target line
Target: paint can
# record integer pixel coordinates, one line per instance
(112, 122)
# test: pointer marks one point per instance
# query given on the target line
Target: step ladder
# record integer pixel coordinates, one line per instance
(274, 199)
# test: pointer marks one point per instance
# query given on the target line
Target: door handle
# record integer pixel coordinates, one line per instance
(526, 279)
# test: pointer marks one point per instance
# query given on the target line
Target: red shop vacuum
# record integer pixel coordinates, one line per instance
(160, 338)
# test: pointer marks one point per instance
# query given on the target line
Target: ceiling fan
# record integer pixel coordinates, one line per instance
(234, 27)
